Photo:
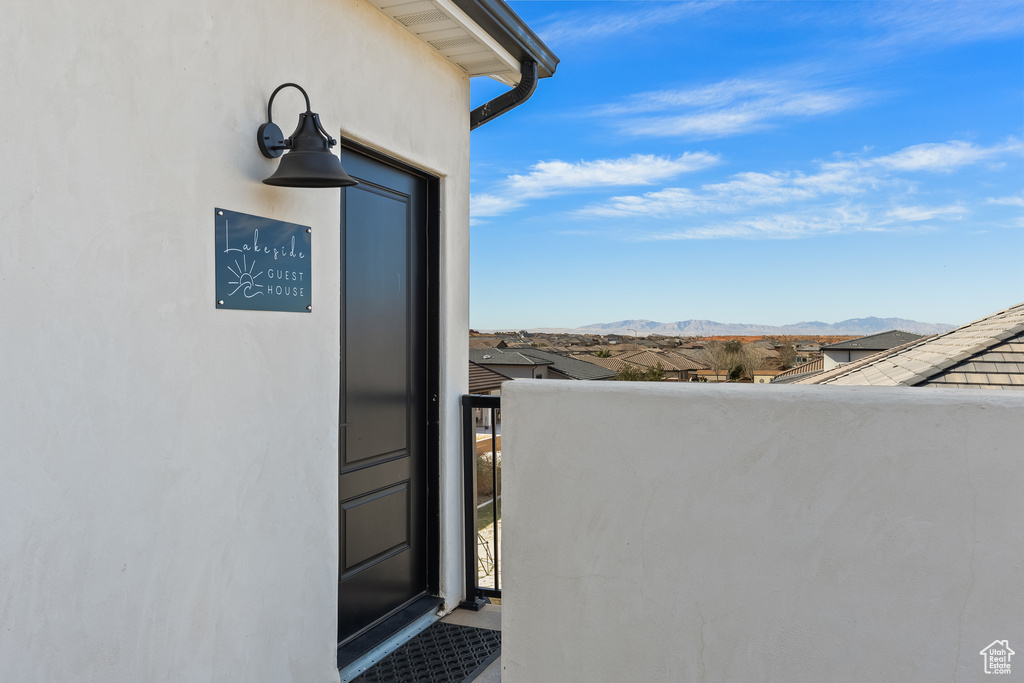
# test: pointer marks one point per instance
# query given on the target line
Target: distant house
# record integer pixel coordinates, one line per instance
(511, 363)
(676, 366)
(566, 367)
(806, 352)
(765, 376)
(530, 363)
(862, 347)
(712, 375)
(985, 354)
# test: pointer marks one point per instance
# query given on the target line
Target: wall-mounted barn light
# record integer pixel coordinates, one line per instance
(309, 161)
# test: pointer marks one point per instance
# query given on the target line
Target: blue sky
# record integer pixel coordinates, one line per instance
(755, 162)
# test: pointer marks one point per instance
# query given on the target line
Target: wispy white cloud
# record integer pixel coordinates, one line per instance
(916, 214)
(862, 194)
(741, 192)
(821, 220)
(890, 24)
(834, 178)
(944, 21)
(730, 107)
(492, 205)
(944, 156)
(704, 125)
(547, 178)
(789, 225)
(566, 28)
(1006, 201)
(812, 88)
(776, 95)
(713, 95)
(752, 188)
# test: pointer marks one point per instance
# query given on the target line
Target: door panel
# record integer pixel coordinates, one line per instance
(378, 316)
(383, 387)
(387, 512)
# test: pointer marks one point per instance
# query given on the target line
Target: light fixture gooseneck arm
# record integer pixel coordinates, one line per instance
(270, 103)
(272, 141)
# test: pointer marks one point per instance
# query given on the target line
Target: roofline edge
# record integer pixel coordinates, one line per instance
(504, 25)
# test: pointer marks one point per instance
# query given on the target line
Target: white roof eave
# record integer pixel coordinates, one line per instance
(448, 30)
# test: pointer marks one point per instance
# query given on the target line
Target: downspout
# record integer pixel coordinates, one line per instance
(506, 101)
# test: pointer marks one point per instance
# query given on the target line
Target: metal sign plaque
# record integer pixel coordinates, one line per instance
(262, 264)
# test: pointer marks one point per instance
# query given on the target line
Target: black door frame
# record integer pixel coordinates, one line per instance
(432, 361)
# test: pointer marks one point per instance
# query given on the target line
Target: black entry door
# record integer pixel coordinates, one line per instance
(383, 394)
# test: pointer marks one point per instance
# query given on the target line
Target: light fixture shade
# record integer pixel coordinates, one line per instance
(310, 169)
(309, 162)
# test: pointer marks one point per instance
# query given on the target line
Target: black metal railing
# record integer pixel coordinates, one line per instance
(481, 478)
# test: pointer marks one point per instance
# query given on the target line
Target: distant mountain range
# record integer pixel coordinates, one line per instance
(710, 328)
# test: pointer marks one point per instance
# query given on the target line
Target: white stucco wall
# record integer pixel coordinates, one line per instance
(693, 533)
(833, 359)
(168, 471)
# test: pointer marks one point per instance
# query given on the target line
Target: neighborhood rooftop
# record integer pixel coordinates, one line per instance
(987, 353)
(668, 360)
(875, 342)
(570, 367)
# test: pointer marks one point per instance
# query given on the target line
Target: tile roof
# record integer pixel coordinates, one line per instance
(815, 366)
(987, 353)
(612, 363)
(575, 368)
(669, 360)
(874, 342)
(484, 342)
(1000, 366)
(483, 379)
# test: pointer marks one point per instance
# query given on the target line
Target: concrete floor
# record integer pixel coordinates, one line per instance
(489, 616)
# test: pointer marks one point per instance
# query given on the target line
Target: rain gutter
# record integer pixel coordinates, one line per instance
(535, 58)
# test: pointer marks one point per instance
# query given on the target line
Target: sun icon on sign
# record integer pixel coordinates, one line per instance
(245, 280)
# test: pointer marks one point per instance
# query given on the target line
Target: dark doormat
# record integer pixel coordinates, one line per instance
(443, 653)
